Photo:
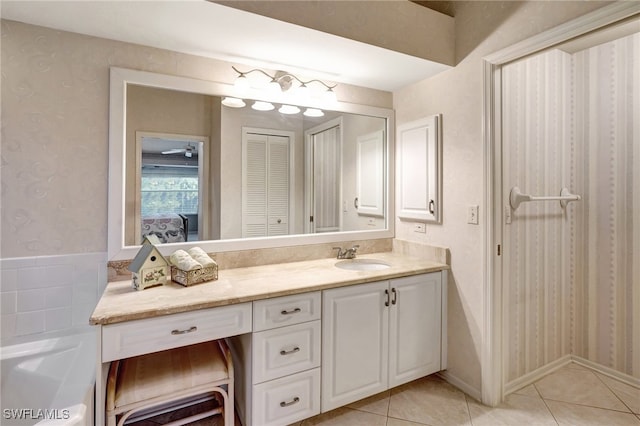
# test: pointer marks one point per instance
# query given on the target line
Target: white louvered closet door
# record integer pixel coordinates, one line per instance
(278, 185)
(265, 185)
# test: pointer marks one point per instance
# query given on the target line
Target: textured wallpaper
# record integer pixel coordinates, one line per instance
(482, 28)
(54, 153)
(571, 283)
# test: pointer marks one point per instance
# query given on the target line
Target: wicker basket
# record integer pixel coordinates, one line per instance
(187, 278)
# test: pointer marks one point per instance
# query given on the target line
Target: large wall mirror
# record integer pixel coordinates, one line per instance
(193, 171)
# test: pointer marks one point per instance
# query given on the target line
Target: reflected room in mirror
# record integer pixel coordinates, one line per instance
(171, 186)
(200, 169)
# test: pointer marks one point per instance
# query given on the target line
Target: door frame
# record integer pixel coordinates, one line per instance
(204, 149)
(493, 351)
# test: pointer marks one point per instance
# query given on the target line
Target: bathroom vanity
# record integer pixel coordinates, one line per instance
(307, 337)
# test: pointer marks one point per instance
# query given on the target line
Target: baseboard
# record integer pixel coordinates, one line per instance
(539, 373)
(461, 384)
(536, 374)
(607, 371)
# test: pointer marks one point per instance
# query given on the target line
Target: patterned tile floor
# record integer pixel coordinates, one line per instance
(572, 395)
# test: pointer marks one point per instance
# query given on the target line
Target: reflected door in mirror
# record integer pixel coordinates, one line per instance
(325, 173)
(265, 184)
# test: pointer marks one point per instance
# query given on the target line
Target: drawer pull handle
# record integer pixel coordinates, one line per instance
(190, 330)
(293, 311)
(293, 401)
(292, 351)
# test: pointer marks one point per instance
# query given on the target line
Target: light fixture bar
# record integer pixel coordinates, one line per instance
(280, 76)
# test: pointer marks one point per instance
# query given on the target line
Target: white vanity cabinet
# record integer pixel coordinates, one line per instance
(379, 335)
(277, 367)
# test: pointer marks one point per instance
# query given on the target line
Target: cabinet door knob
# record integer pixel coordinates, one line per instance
(386, 298)
(292, 311)
(395, 296)
(293, 401)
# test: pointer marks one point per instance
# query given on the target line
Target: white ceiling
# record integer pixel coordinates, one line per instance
(207, 29)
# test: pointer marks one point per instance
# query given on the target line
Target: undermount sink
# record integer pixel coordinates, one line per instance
(362, 265)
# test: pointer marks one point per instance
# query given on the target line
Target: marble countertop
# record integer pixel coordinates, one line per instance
(120, 302)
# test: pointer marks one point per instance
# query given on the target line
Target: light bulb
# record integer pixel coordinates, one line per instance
(241, 84)
(262, 106)
(330, 96)
(313, 112)
(274, 87)
(302, 92)
(289, 109)
(233, 102)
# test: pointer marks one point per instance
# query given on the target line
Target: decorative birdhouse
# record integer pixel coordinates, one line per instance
(149, 267)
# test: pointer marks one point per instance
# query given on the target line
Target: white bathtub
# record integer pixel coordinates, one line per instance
(49, 382)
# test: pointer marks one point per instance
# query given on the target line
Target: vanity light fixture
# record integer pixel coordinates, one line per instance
(283, 82)
(313, 112)
(241, 85)
(330, 96)
(262, 106)
(288, 109)
(233, 102)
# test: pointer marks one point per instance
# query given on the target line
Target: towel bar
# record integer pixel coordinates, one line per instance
(516, 197)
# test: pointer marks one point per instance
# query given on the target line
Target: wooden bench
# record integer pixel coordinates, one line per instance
(150, 384)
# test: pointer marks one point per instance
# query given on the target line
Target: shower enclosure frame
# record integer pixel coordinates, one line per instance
(492, 374)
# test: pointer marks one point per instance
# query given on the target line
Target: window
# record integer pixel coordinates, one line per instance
(169, 189)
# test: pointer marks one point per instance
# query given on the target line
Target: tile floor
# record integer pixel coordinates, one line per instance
(572, 395)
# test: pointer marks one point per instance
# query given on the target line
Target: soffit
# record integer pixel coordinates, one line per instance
(213, 30)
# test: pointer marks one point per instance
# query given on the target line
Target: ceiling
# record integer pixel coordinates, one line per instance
(202, 28)
(446, 7)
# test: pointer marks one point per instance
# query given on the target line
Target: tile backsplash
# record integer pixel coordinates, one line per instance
(46, 295)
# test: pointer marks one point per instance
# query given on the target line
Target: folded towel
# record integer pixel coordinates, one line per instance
(183, 261)
(201, 257)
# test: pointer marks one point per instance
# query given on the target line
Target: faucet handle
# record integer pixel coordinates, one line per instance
(351, 253)
(340, 252)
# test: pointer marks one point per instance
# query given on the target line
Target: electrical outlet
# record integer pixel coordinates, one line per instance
(420, 227)
(472, 215)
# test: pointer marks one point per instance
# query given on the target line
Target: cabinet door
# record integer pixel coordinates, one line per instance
(415, 316)
(420, 170)
(354, 343)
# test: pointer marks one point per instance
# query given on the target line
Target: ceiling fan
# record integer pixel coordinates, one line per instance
(188, 151)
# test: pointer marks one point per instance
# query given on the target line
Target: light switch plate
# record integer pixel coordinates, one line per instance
(420, 227)
(472, 215)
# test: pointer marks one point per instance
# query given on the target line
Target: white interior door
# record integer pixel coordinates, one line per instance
(323, 178)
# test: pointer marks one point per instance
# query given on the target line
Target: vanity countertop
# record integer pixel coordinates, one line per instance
(120, 302)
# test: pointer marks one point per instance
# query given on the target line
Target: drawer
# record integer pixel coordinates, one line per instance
(287, 400)
(287, 310)
(130, 338)
(285, 350)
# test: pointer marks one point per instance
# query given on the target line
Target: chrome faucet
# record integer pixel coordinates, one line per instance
(348, 253)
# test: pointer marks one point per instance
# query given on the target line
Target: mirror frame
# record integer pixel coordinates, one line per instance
(116, 248)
